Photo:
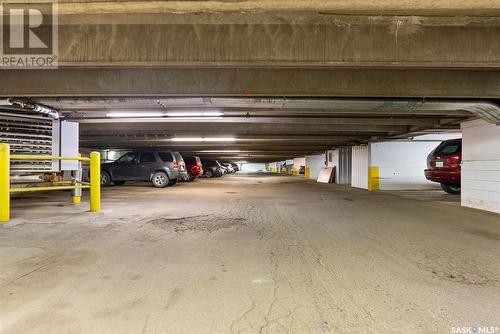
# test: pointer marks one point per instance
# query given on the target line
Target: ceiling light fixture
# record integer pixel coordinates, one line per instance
(220, 151)
(134, 114)
(204, 139)
(195, 114)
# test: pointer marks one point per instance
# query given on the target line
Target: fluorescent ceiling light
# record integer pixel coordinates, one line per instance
(204, 139)
(187, 115)
(220, 151)
(135, 114)
(195, 114)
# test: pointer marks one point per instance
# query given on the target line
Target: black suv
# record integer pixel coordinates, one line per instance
(161, 168)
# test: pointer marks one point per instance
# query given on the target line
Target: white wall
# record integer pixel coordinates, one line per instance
(315, 163)
(402, 163)
(360, 164)
(481, 165)
(253, 167)
(332, 158)
(297, 162)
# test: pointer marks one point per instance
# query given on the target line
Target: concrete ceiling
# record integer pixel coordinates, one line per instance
(254, 129)
(280, 78)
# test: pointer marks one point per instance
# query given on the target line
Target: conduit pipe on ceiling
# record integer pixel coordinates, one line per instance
(39, 108)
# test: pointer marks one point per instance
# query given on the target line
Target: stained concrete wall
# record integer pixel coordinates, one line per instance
(481, 166)
(315, 163)
(402, 163)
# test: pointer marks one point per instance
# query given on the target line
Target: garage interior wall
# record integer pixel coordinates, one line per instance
(298, 162)
(332, 158)
(402, 163)
(360, 165)
(253, 167)
(481, 165)
(315, 163)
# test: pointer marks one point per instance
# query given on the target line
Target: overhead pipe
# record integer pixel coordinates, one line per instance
(39, 108)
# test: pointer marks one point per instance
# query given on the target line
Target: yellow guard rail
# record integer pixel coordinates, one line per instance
(6, 190)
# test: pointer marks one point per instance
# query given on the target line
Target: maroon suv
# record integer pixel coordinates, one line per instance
(194, 167)
(443, 165)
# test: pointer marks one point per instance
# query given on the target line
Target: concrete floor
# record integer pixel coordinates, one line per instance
(247, 254)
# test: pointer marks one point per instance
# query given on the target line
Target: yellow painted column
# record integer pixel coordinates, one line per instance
(95, 181)
(373, 178)
(307, 172)
(295, 171)
(4, 183)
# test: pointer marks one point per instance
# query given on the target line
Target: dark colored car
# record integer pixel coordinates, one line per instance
(161, 168)
(444, 165)
(235, 167)
(211, 168)
(194, 167)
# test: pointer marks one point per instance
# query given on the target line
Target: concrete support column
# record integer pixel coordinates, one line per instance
(481, 165)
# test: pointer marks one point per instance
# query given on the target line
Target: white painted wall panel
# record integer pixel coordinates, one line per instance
(332, 158)
(360, 164)
(481, 165)
(69, 144)
(253, 167)
(297, 162)
(315, 163)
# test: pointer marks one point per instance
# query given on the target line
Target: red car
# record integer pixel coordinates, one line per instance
(443, 165)
(194, 167)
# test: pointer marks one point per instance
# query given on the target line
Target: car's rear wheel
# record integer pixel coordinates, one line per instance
(160, 179)
(209, 173)
(105, 178)
(190, 177)
(119, 183)
(453, 189)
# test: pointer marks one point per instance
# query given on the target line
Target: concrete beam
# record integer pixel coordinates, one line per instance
(415, 121)
(106, 34)
(235, 128)
(251, 82)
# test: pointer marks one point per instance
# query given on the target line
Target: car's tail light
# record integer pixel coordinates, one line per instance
(176, 165)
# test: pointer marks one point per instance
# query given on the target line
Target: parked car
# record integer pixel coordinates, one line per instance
(235, 167)
(444, 165)
(194, 167)
(161, 168)
(211, 168)
(229, 167)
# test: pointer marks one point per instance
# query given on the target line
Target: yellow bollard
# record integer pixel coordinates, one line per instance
(4, 183)
(373, 178)
(95, 181)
